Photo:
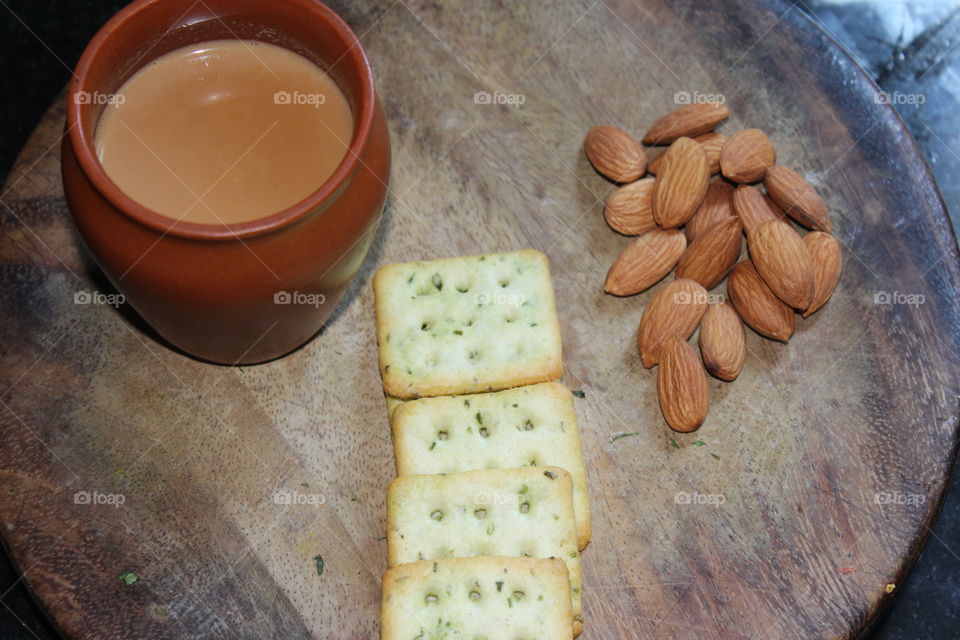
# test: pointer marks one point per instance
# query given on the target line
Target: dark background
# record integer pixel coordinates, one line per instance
(907, 46)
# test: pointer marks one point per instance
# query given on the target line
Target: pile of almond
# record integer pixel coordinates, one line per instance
(685, 219)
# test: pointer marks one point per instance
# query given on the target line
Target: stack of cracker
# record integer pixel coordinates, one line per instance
(490, 509)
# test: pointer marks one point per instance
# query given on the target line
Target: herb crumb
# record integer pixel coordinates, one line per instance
(128, 577)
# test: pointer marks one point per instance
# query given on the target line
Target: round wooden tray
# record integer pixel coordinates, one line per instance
(139, 485)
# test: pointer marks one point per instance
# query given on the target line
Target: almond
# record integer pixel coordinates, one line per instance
(629, 208)
(682, 183)
(746, 155)
(783, 261)
(645, 262)
(675, 310)
(690, 120)
(797, 198)
(615, 153)
(682, 387)
(758, 306)
(723, 341)
(827, 264)
(717, 205)
(711, 142)
(753, 207)
(710, 257)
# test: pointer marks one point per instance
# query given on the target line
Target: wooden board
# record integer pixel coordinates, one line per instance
(830, 453)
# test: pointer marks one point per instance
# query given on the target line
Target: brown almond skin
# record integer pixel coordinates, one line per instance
(717, 205)
(675, 310)
(629, 208)
(615, 153)
(827, 265)
(645, 262)
(708, 260)
(682, 387)
(723, 341)
(783, 261)
(746, 155)
(797, 198)
(711, 142)
(687, 121)
(682, 183)
(753, 207)
(763, 311)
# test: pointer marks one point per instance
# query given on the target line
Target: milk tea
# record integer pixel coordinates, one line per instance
(224, 132)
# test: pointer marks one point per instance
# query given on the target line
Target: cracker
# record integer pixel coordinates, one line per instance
(392, 404)
(490, 597)
(526, 512)
(535, 424)
(465, 325)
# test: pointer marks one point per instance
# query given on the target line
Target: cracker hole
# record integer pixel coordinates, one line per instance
(437, 515)
(431, 598)
(473, 355)
(442, 435)
(425, 326)
(484, 432)
(480, 513)
(518, 595)
(504, 282)
(525, 507)
(528, 426)
(475, 595)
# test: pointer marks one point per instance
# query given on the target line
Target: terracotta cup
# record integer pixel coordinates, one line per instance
(241, 293)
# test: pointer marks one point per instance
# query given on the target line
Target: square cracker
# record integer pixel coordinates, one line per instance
(489, 597)
(535, 424)
(526, 512)
(464, 325)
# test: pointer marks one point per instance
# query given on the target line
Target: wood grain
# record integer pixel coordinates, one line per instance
(824, 463)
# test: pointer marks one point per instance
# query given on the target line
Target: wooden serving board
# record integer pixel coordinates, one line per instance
(822, 467)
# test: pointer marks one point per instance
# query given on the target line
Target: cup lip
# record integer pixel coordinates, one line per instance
(82, 139)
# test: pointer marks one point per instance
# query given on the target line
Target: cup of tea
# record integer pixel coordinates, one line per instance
(226, 163)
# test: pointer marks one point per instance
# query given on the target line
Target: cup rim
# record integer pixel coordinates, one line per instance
(82, 139)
